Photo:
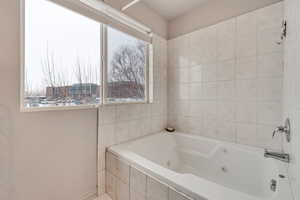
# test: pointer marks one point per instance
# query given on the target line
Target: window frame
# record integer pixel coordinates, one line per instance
(148, 66)
(103, 71)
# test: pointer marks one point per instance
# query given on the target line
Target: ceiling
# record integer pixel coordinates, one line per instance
(170, 9)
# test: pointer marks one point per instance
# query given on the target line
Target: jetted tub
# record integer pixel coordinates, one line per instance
(204, 168)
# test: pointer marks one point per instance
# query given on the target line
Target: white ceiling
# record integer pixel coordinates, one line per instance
(171, 9)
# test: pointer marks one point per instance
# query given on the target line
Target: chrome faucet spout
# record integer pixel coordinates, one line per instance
(284, 157)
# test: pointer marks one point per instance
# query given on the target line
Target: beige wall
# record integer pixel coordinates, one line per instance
(212, 12)
(225, 80)
(49, 155)
(44, 155)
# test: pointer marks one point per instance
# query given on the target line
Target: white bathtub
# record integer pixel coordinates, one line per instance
(207, 169)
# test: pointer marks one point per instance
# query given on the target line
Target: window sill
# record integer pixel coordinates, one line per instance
(58, 108)
(124, 103)
(83, 107)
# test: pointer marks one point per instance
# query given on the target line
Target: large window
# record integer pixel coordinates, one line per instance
(63, 53)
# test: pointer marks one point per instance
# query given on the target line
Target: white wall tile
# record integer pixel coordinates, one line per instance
(121, 132)
(111, 163)
(246, 89)
(156, 190)
(138, 181)
(136, 196)
(122, 190)
(209, 90)
(270, 89)
(195, 74)
(267, 41)
(246, 112)
(195, 91)
(225, 131)
(106, 139)
(110, 185)
(269, 113)
(107, 114)
(183, 91)
(122, 170)
(246, 35)
(174, 195)
(246, 68)
(225, 70)
(226, 90)
(247, 24)
(246, 134)
(241, 69)
(101, 182)
(226, 40)
(226, 110)
(196, 125)
(195, 108)
(209, 72)
(209, 128)
(182, 75)
(209, 110)
(270, 65)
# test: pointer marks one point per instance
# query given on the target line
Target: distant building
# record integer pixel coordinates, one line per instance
(75, 91)
(114, 90)
(125, 90)
(55, 92)
(78, 91)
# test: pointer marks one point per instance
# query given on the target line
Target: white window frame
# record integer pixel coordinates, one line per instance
(104, 66)
(148, 67)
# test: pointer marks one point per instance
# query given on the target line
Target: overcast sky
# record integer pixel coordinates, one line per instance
(67, 34)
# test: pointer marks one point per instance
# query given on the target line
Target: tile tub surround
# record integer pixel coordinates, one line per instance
(292, 91)
(225, 81)
(124, 182)
(124, 122)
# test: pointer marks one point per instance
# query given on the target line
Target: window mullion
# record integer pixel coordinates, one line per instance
(104, 61)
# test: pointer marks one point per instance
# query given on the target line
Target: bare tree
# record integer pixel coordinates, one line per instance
(49, 70)
(128, 66)
(28, 85)
(52, 76)
(86, 74)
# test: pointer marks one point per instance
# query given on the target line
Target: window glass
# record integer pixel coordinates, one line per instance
(62, 57)
(126, 67)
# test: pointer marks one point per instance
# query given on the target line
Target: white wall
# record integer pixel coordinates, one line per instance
(44, 155)
(225, 81)
(212, 12)
(292, 89)
(121, 123)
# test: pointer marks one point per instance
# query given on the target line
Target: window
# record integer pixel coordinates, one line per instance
(126, 71)
(63, 54)
(62, 57)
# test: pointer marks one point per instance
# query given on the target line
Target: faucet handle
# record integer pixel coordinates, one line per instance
(278, 129)
(286, 129)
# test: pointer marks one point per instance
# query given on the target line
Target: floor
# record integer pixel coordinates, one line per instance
(103, 197)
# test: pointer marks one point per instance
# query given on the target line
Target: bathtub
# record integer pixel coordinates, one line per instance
(207, 169)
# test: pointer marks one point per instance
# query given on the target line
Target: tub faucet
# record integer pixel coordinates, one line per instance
(284, 157)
